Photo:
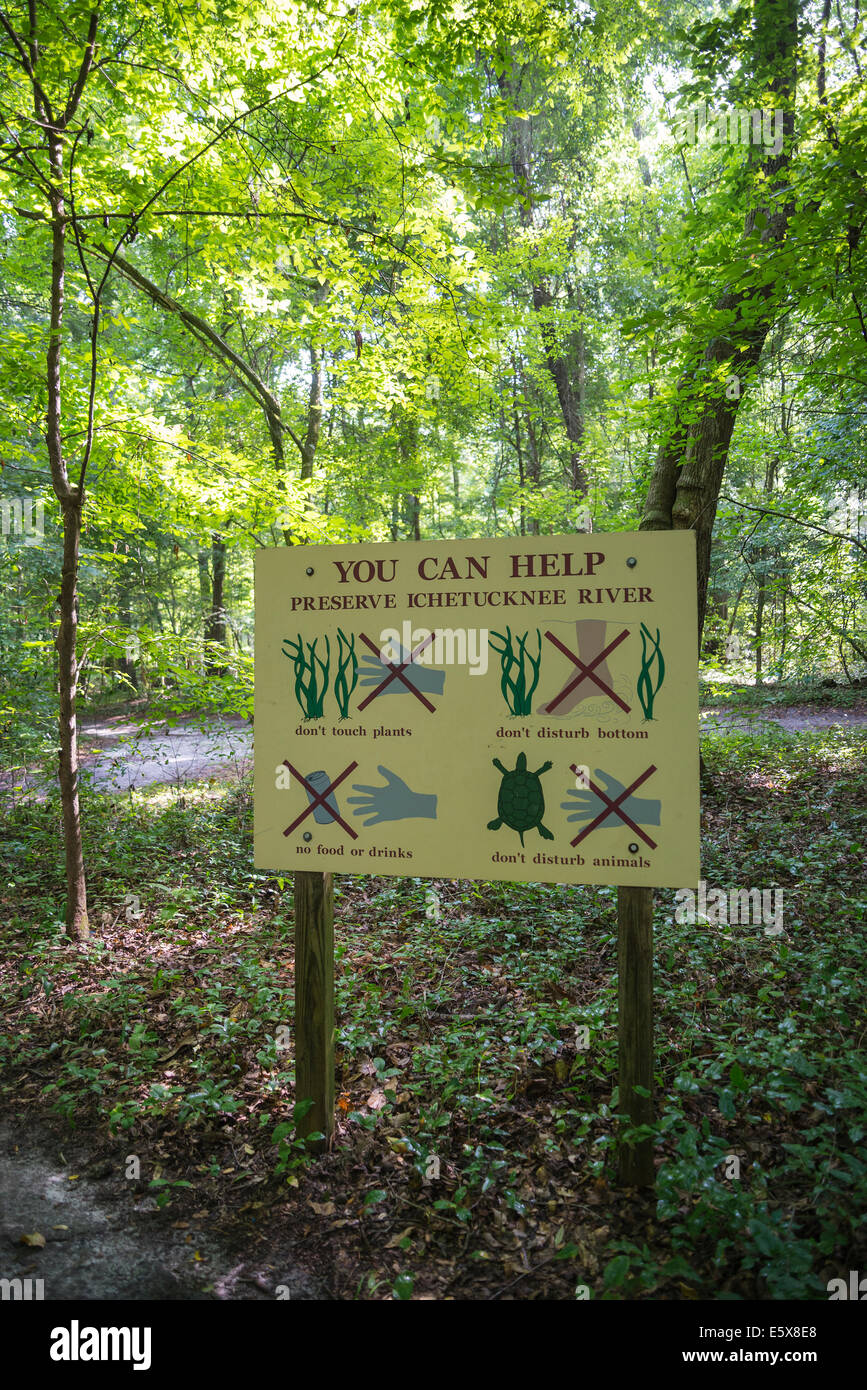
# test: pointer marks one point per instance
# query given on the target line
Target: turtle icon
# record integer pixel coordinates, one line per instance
(520, 804)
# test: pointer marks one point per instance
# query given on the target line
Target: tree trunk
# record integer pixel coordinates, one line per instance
(686, 481)
(519, 451)
(760, 612)
(314, 414)
(76, 886)
(568, 381)
(763, 558)
(566, 375)
(124, 612)
(204, 597)
(215, 627)
(407, 428)
(413, 516)
(71, 501)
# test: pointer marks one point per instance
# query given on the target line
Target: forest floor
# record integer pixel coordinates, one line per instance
(476, 1137)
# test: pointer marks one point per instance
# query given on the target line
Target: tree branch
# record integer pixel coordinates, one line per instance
(84, 70)
(813, 525)
(205, 333)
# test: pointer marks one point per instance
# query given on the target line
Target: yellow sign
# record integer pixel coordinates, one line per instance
(519, 708)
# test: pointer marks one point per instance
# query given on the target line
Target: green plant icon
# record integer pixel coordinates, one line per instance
(652, 670)
(347, 671)
(311, 674)
(519, 669)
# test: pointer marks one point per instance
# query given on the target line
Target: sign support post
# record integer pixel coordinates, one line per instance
(635, 1027)
(314, 1003)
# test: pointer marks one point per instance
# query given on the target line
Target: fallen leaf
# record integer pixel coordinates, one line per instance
(186, 1041)
(396, 1239)
(376, 1100)
(36, 1240)
(322, 1208)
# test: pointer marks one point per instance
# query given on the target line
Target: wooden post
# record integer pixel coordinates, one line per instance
(635, 1026)
(314, 1002)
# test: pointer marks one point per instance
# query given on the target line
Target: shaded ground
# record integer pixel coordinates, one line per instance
(106, 1238)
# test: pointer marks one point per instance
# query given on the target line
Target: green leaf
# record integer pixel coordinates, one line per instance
(737, 1078)
(616, 1272)
(403, 1286)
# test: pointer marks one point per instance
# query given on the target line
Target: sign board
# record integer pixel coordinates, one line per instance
(522, 708)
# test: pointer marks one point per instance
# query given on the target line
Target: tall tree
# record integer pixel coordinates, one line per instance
(685, 484)
(42, 148)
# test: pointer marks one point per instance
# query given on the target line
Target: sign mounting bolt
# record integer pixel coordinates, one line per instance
(632, 562)
(633, 848)
(309, 569)
(308, 835)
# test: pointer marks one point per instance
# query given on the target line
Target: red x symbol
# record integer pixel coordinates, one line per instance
(586, 671)
(397, 671)
(319, 799)
(615, 807)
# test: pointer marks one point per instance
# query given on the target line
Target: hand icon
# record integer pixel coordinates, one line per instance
(586, 805)
(373, 671)
(319, 782)
(394, 801)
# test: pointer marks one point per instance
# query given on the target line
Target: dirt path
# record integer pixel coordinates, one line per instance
(105, 1237)
(120, 755)
(794, 719)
